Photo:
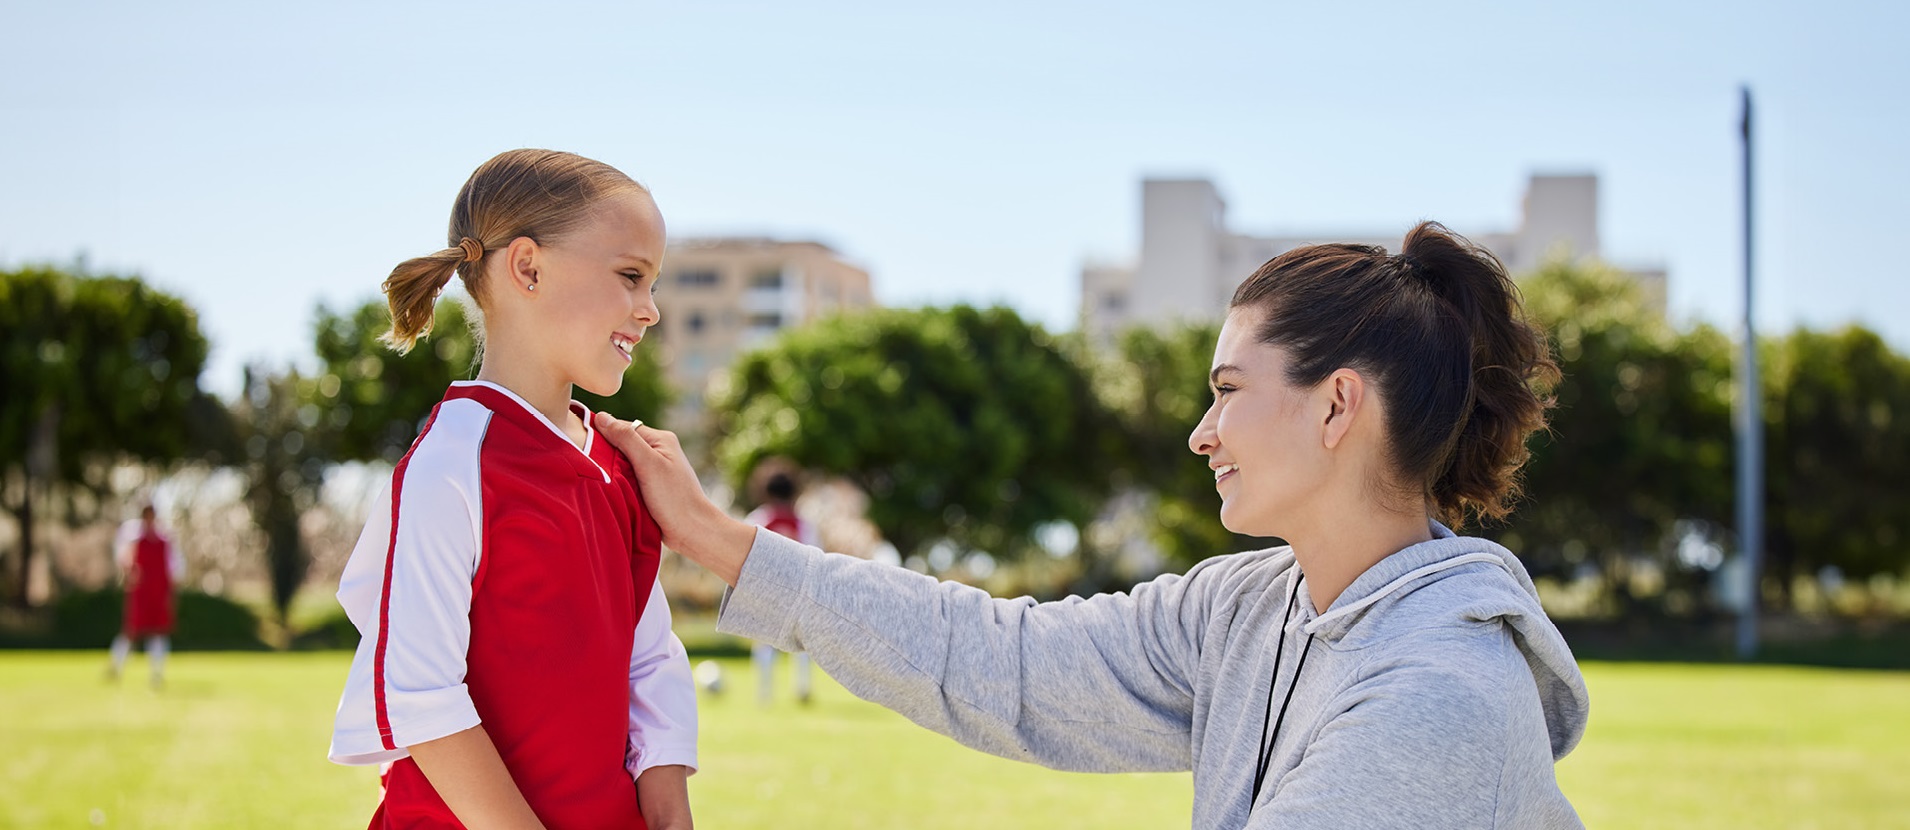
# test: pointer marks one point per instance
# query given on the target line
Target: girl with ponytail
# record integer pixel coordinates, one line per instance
(517, 667)
(1379, 671)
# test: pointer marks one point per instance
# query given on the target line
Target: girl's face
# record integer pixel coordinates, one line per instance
(1263, 437)
(595, 288)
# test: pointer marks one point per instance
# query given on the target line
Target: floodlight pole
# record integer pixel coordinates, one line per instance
(1750, 430)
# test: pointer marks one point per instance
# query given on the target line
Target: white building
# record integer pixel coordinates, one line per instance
(723, 296)
(1191, 261)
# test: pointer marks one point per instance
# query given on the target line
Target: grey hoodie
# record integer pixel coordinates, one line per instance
(1435, 692)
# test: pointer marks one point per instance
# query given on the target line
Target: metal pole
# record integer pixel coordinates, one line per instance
(1750, 430)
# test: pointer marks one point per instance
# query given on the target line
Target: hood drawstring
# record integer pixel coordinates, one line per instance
(1279, 650)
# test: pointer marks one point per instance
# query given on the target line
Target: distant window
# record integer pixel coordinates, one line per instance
(697, 322)
(767, 279)
(701, 278)
(766, 321)
(1114, 302)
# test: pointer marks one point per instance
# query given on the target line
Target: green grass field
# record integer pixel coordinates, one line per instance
(238, 740)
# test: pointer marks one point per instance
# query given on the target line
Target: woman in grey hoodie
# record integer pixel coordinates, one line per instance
(1378, 672)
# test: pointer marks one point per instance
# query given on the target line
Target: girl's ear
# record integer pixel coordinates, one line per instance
(1345, 393)
(520, 263)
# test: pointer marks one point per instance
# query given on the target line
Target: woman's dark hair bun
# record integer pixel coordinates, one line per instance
(1512, 371)
(1441, 330)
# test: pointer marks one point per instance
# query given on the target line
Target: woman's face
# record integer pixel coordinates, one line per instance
(595, 287)
(1263, 437)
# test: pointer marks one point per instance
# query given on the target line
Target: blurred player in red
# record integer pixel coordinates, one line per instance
(151, 565)
(778, 514)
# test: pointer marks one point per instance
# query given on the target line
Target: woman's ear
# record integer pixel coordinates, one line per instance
(1345, 393)
(521, 263)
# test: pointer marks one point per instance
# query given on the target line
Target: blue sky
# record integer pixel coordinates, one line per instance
(258, 160)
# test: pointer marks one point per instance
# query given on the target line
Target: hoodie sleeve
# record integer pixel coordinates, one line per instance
(1093, 685)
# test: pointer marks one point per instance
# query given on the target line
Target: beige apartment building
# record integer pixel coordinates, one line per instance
(1191, 261)
(722, 296)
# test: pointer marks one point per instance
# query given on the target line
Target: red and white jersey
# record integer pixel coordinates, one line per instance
(508, 578)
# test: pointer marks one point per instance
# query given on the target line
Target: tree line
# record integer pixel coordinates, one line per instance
(977, 428)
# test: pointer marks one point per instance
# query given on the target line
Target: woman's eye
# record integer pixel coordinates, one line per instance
(633, 276)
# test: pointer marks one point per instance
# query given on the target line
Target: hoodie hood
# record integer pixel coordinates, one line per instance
(1461, 579)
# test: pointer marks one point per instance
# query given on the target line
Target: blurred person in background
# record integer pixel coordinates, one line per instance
(1378, 671)
(151, 567)
(778, 514)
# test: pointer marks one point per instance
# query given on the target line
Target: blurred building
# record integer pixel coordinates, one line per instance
(722, 296)
(1191, 261)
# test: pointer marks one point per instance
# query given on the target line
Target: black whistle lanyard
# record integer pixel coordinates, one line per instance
(1279, 649)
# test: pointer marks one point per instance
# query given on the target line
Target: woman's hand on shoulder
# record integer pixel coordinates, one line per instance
(692, 525)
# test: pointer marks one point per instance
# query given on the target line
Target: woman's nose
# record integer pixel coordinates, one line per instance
(1203, 440)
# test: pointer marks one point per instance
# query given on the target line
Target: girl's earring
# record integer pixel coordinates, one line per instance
(532, 286)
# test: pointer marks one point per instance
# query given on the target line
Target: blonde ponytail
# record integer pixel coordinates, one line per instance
(412, 293)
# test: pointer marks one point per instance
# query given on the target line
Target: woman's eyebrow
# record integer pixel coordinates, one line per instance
(1214, 376)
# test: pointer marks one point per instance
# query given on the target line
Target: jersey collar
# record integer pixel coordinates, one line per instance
(523, 407)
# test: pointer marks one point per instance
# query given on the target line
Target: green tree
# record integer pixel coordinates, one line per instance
(1156, 381)
(960, 423)
(95, 370)
(1639, 439)
(280, 436)
(1837, 441)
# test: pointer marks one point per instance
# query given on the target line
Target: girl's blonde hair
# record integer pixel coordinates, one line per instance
(540, 194)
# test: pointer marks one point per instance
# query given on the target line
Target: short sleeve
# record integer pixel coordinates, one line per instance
(407, 588)
(123, 542)
(662, 694)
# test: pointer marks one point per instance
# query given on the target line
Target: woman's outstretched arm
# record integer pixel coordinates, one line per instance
(1103, 684)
